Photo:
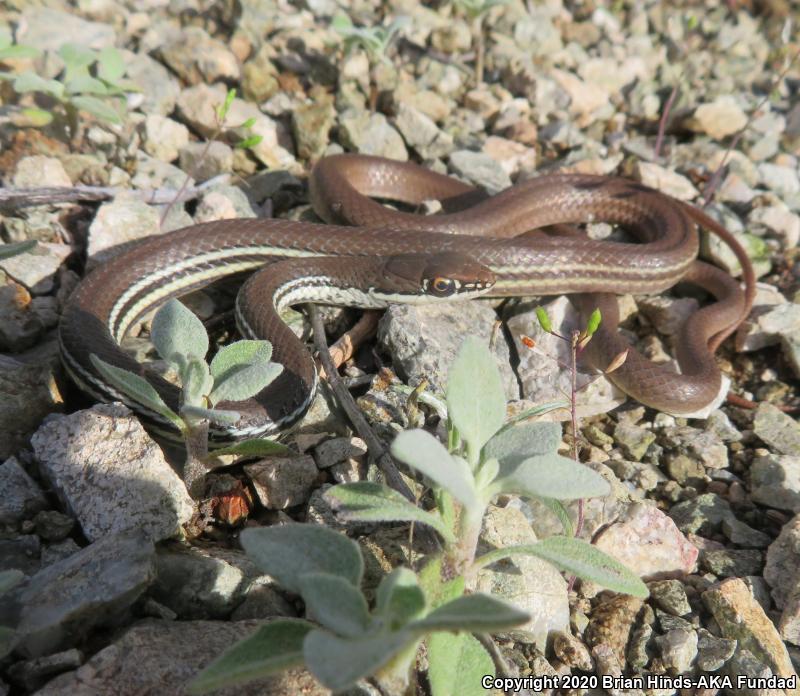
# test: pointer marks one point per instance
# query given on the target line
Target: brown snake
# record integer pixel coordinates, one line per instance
(397, 256)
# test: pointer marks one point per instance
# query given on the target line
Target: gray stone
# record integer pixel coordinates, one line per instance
(703, 446)
(20, 496)
(38, 170)
(110, 474)
(421, 133)
(196, 57)
(779, 430)
(46, 28)
(733, 563)
(678, 650)
(92, 588)
(706, 514)
(27, 394)
(53, 553)
(159, 87)
(338, 449)
(206, 160)
(224, 203)
(423, 340)
(775, 481)
(713, 652)
(371, 134)
(670, 595)
(311, 126)
(767, 325)
(122, 220)
(282, 482)
(208, 583)
(531, 584)
(21, 553)
(157, 656)
(36, 269)
(782, 569)
(52, 525)
(31, 674)
(633, 439)
(782, 180)
(665, 180)
(719, 118)
(164, 138)
(479, 169)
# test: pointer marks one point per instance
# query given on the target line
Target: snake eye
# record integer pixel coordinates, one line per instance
(443, 286)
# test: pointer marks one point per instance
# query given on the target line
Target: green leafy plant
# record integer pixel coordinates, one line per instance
(8, 580)
(90, 82)
(237, 372)
(9, 250)
(487, 455)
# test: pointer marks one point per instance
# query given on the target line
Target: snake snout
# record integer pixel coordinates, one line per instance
(452, 274)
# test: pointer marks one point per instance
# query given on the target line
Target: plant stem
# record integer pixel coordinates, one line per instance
(477, 37)
(194, 468)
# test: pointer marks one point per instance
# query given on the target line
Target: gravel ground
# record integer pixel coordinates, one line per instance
(697, 99)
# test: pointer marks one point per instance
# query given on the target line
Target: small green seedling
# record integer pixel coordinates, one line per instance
(237, 372)
(17, 248)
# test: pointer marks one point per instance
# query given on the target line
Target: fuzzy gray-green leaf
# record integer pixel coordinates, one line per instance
(513, 444)
(31, 82)
(551, 476)
(274, 647)
(399, 598)
(218, 416)
(476, 400)
(238, 355)
(259, 447)
(8, 250)
(244, 383)
(334, 603)
(290, 551)
(456, 664)
(176, 330)
(136, 388)
(423, 452)
(475, 613)
(110, 65)
(97, 107)
(365, 501)
(196, 382)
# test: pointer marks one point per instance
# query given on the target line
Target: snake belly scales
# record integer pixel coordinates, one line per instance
(338, 264)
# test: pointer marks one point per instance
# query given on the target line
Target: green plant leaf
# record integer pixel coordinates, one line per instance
(86, 84)
(580, 558)
(558, 509)
(218, 416)
(334, 603)
(13, 52)
(97, 107)
(341, 22)
(340, 662)
(244, 383)
(37, 117)
(249, 142)
(529, 413)
(29, 81)
(16, 248)
(551, 476)
(513, 444)
(399, 598)
(456, 664)
(476, 400)
(225, 107)
(237, 355)
(478, 613)
(438, 590)
(274, 647)
(176, 330)
(137, 388)
(544, 319)
(110, 64)
(365, 501)
(253, 448)
(593, 323)
(288, 552)
(196, 381)
(9, 579)
(423, 452)
(76, 57)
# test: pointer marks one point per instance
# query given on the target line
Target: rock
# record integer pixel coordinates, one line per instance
(586, 99)
(31, 674)
(678, 650)
(110, 474)
(152, 173)
(744, 665)
(611, 624)
(39, 170)
(719, 119)
(771, 325)
(571, 651)
(155, 656)
(36, 270)
(260, 77)
(512, 156)
(198, 583)
(775, 481)
(782, 180)
(20, 496)
(782, 569)
(204, 161)
(53, 553)
(159, 88)
(740, 617)
(779, 430)
(27, 394)
(670, 595)
(92, 588)
(732, 563)
(542, 378)
(719, 424)
(423, 340)
(533, 585)
(649, 543)
(122, 220)
(779, 221)
(789, 624)
(283, 482)
(371, 134)
(21, 553)
(52, 525)
(338, 449)
(45, 28)
(421, 133)
(713, 652)
(708, 514)
(479, 169)
(164, 138)
(311, 126)
(196, 57)
(665, 180)
(702, 446)
(633, 440)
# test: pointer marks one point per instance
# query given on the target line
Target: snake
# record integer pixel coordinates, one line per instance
(366, 254)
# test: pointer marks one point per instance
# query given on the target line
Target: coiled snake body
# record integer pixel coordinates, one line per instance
(395, 256)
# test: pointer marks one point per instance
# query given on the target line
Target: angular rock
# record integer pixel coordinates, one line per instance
(479, 169)
(678, 650)
(122, 220)
(371, 134)
(164, 138)
(20, 496)
(282, 482)
(779, 430)
(782, 569)
(110, 474)
(775, 481)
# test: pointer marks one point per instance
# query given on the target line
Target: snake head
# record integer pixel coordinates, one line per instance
(444, 275)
